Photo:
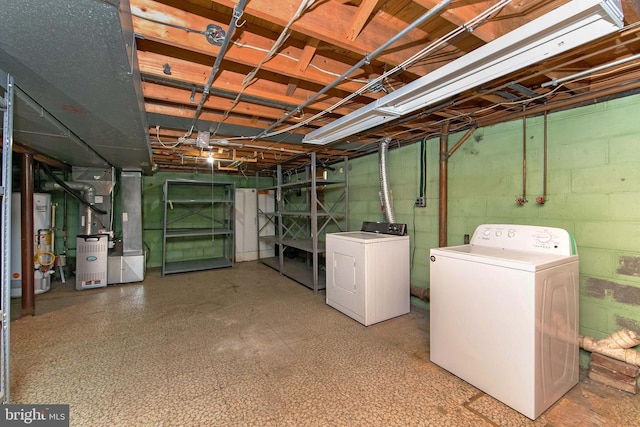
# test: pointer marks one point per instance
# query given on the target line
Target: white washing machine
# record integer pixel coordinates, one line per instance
(504, 313)
(368, 272)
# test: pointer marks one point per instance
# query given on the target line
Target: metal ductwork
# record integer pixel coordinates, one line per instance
(127, 263)
(79, 94)
(131, 194)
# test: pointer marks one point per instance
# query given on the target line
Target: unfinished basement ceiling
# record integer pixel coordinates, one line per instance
(281, 53)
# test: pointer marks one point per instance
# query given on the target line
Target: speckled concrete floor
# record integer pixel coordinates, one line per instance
(246, 346)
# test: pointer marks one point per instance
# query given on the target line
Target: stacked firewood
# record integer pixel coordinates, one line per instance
(613, 361)
(614, 373)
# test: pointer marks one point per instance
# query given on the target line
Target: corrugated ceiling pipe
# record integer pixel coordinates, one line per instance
(88, 191)
(238, 10)
(384, 184)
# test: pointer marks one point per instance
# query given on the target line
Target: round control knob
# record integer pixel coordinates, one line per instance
(499, 233)
(544, 237)
(511, 233)
(487, 232)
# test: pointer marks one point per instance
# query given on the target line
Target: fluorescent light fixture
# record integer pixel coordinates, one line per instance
(566, 27)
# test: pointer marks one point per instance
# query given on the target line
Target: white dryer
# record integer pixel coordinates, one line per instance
(504, 313)
(368, 272)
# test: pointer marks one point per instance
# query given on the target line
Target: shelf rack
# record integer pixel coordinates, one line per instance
(198, 225)
(307, 207)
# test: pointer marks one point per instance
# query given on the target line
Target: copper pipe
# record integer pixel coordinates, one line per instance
(524, 158)
(544, 160)
(444, 158)
(26, 236)
(462, 141)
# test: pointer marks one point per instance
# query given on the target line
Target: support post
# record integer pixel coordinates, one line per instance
(26, 233)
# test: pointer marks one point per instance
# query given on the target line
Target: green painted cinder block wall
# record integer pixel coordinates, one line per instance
(153, 208)
(593, 191)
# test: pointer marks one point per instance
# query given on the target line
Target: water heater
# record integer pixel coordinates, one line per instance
(41, 243)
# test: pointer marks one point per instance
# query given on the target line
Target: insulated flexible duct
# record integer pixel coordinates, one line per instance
(617, 346)
(384, 184)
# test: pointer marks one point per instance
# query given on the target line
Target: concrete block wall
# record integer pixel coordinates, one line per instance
(593, 191)
(153, 212)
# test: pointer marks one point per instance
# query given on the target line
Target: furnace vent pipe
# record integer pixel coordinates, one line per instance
(88, 191)
(384, 183)
(68, 187)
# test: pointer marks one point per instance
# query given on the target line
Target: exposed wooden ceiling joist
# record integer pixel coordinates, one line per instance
(175, 60)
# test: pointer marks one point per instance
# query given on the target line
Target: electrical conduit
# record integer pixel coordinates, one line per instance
(237, 13)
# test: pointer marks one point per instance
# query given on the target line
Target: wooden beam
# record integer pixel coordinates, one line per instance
(41, 158)
(631, 9)
(307, 54)
(361, 17)
(292, 86)
(249, 49)
(192, 73)
(511, 17)
(206, 115)
(214, 103)
(330, 21)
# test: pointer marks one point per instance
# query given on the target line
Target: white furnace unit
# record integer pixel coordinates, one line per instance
(91, 261)
(368, 272)
(504, 313)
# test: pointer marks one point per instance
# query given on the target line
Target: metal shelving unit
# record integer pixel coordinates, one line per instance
(198, 226)
(6, 110)
(307, 208)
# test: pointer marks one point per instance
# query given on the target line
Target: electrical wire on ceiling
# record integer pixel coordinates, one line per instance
(238, 10)
(469, 116)
(292, 58)
(434, 46)
(284, 34)
(246, 46)
(162, 143)
(429, 133)
(430, 50)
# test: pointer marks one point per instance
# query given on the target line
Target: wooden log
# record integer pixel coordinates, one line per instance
(620, 385)
(615, 365)
(614, 375)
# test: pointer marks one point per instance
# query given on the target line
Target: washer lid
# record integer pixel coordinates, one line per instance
(520, 260)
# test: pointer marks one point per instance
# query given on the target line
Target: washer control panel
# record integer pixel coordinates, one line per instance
(530, 238)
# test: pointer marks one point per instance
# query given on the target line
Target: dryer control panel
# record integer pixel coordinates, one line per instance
(392, 228)
(528, 238)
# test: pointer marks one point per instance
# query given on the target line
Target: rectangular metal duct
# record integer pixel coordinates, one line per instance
(75, 59)
(131, 194)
